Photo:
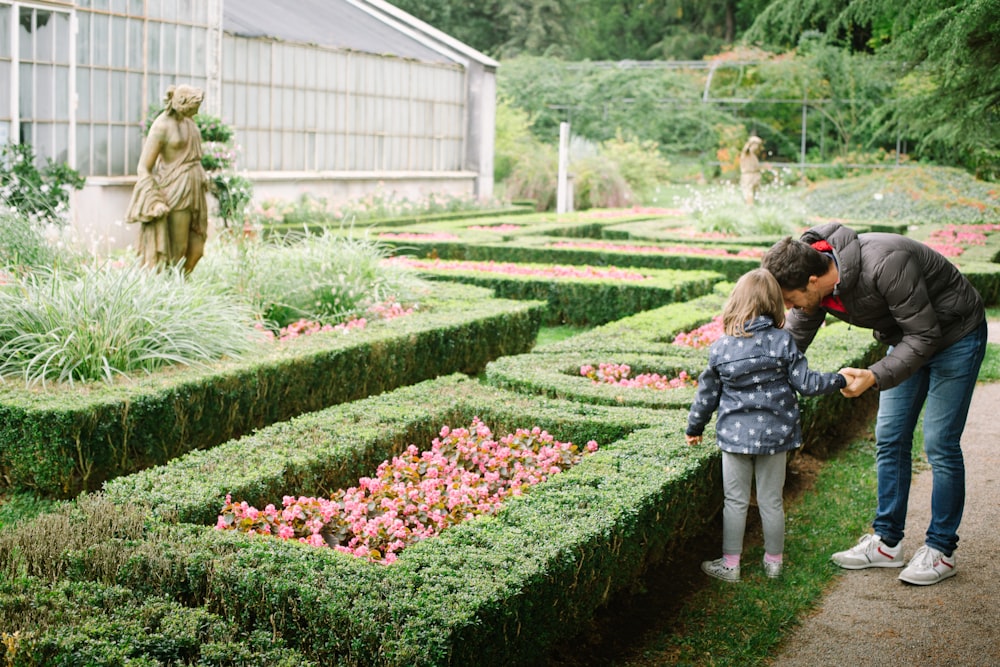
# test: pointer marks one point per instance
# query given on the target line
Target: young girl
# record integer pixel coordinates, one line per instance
(753, 373)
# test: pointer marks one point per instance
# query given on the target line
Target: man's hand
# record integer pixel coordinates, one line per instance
(859, 380)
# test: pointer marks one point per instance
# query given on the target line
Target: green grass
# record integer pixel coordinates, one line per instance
(757, 614)
(547, 335)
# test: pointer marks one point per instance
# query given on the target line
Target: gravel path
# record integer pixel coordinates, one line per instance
(869, 617)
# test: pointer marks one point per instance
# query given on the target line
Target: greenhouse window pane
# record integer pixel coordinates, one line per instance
(26, 30)
(5, 11)
(83, 149)
(101, 35)
(134, 110)
(61, 23)
(83, 93)
(45, 90)
(155, 39)
(62, 93)
(169, 48)
(118, 96)
(119, 44)
(118, 150)
(100, 92)
(184, 45)
(25, 99)
(101, 150)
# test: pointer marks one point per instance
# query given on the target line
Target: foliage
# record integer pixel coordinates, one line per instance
(639, 161)
(105, 321)
(22, 243)
(416, 495)
(941, 55)
(921, 195)
(720, 209)
(513, 138)
(533, 177)
(598, 183)
(234, 193)
(602, 102)
(323, 277)
(39, 195)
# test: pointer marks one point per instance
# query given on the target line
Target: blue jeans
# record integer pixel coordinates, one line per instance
(943, 389)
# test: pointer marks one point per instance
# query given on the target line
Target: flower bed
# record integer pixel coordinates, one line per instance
(702, 336)
(755, 253)
(511, 269)
(618, 375)
(415, 495)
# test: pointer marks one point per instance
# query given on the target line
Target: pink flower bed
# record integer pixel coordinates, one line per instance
(496, 228)
(387, 310)
(952, 240)
(618, 375)
(640, 210)
(418, 236)
(703, 336)
(673, 250)
(554, 271)
(416, 495)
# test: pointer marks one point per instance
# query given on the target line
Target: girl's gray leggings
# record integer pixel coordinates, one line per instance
(738, 470)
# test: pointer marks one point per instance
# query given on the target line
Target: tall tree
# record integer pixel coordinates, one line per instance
(947, 54)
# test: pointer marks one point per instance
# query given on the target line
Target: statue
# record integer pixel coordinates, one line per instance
(750, 168)
(169, 197)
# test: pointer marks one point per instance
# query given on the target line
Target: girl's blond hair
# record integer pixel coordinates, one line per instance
(756, 293)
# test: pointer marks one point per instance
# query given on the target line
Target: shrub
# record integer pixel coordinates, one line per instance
(22, 244)
(103, 321)
(320, 277)
(41, 195)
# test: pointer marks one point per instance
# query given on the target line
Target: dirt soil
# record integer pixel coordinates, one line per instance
(868, 617)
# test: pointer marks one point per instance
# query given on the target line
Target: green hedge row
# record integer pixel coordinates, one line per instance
(554, 370)
(85, 623)
(64, 439)
(515, 211)
(588, 301)
(494, 591)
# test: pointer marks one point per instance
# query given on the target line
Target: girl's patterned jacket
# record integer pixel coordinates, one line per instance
(752, 383)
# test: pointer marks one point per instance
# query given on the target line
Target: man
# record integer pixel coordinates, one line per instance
(934, 321)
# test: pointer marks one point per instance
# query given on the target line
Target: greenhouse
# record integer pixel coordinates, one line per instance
(332, 97)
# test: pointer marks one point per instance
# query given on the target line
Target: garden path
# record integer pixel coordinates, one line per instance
(870, 618)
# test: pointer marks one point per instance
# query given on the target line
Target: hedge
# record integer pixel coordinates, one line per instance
(64, 439)
(477, 594)
(586, 301)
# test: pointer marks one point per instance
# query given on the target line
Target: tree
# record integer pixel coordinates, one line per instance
(945, 55)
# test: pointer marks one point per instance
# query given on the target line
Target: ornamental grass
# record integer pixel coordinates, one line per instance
(103, 321)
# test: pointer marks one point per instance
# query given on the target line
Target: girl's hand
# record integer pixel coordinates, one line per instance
(693, 439)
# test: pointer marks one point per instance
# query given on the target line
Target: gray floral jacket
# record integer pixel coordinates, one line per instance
(752, 383)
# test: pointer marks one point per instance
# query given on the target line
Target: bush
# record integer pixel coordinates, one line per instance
(22, 244)
(105, 321)
(320, 277)
(40, 195)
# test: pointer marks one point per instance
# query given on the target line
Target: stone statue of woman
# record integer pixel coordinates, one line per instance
(750, 168)
(169, 197)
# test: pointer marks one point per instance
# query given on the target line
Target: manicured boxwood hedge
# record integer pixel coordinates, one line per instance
(588, 301)
(493, 591)
(64, 439)
(637, 341)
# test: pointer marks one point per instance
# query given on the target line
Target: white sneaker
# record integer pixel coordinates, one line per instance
(928, 566)
(870, 551)
(717, 568)
(772, 570)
